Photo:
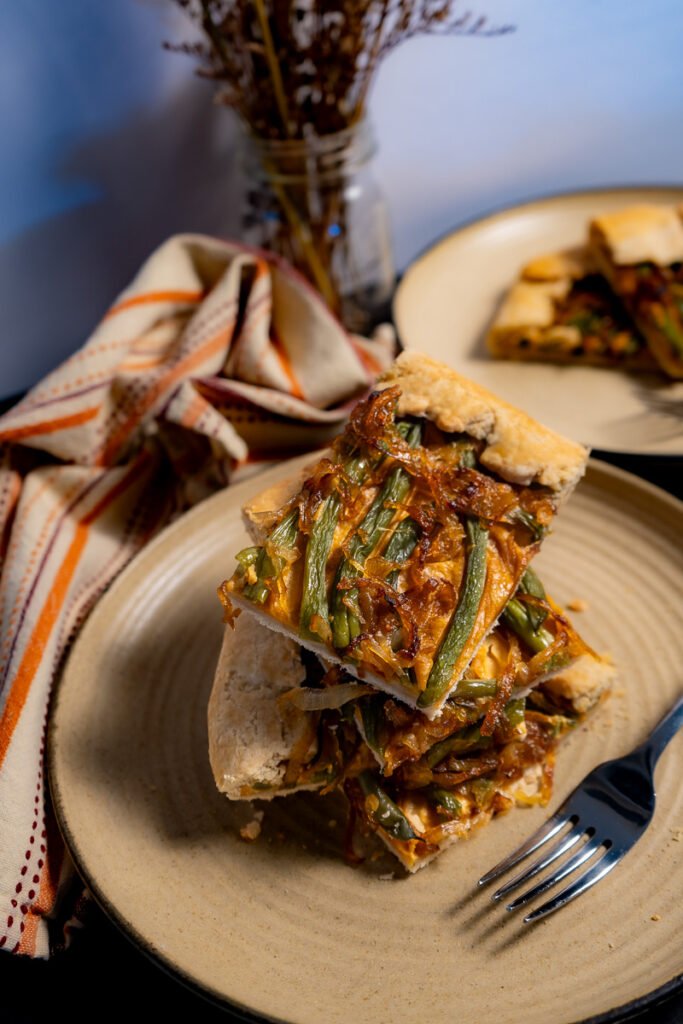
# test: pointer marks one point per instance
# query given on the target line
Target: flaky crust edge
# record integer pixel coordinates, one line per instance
(657, 344)
(518, 448)
(249, 740)
(639, 233)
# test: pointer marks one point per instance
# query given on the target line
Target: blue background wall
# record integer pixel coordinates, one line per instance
(110, 144)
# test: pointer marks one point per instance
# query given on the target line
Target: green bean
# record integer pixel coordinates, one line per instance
(370, 709)
(520, 515)
(587, 323)
(444, 800)
(557, 661)
(341, 631)
(461, 742)
(257, 592)
(514, 712)
(468, 457)
(378, 516)
(483, 791)
(401, 546)
(672, 332)
(470, 689)
(248, 556)
(314, 594)
(346, 623)
(283, 536)
(531, 585)
(516, 618)
(464, 617)
(387, 815)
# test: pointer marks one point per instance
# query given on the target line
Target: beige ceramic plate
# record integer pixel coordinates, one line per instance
(449, 296)
(282, 926)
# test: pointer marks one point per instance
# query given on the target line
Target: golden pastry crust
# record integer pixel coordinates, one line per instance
(250, 740)
(518, 448)
(584, 682)
(260, 512)
(527, 790)
(529, 305)
(568, 264)
(322, 651)
(288, 598)
(646, 240)
(528, 328)
(582, 685)
(531, 302)
(640, 234)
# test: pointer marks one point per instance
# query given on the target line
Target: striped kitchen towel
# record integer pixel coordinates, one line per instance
(216, 358)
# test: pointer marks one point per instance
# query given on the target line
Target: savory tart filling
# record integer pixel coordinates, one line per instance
(412, 657)
(532, 641)
(655, 297)
(455, 778)
(460, 782)
(419, 785)
(640, 252)
(399, 552)
(563, 311)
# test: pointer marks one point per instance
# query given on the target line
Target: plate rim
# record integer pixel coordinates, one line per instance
(614, 1015)
(501, 210)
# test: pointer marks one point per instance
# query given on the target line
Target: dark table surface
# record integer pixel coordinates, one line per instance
(102, 968)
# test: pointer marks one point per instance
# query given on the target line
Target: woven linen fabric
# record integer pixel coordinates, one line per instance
(213, 352)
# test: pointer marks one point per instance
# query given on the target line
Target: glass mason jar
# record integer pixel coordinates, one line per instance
(315, 202)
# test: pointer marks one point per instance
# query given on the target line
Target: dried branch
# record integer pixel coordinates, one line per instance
(295, 67)
(300, 71)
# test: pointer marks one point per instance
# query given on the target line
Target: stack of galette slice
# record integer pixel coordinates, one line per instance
(395, 641)
(615, 301)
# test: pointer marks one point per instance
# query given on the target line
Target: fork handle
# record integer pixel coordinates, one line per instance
(662, 733)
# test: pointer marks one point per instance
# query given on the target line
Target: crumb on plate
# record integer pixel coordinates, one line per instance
(252, 830)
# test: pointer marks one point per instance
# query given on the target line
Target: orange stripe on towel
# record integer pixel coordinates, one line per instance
(369, 362)
(49, 426)
(287, 367)
(134, 364)
(150, 297)
(159, 387)
(47, 894)
(35, 647)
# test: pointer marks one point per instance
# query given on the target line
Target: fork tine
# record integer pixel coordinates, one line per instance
(554, 877)
(542, 835)
(585, 880)
(568, 840)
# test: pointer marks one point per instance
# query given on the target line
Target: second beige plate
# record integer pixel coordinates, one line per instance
(282, 927)
(449, 296)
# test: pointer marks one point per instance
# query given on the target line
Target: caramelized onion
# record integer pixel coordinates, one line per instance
(306, 698)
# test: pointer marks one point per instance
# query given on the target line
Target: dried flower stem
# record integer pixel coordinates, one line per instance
(372, 61)
(273, 64)
(320, 276)
(295, 67)
(301, 71)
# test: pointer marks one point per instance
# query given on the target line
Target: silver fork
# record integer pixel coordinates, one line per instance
(607, 814)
